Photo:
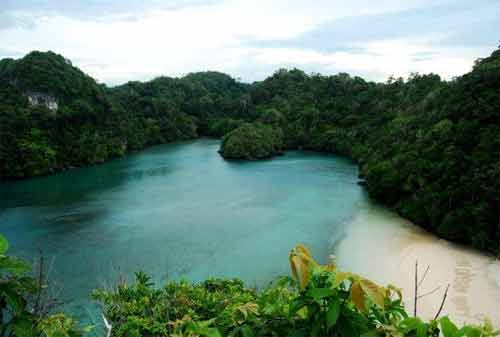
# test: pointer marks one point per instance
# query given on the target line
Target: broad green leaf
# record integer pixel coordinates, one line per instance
(23, 327)
(469, 331)
(206, 323)
(319, 293)
(422, 330)
(448, 328)
(332, 315)
(15, 301)
(346, 327)
(4, 244)
(296, 307)
(302, 312)
(208, 332)
(247, 331)
(409, 324)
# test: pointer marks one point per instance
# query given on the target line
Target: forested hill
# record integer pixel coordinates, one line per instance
(428, 148)
(54, 117)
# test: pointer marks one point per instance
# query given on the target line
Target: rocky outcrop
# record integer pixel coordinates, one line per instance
(38, 98)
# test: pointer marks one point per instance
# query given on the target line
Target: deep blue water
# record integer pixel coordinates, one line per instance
(179, 210)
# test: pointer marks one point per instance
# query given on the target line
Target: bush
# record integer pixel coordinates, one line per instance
(318, 301)
(20, 307)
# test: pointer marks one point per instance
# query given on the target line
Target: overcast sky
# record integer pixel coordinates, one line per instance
(120, 40)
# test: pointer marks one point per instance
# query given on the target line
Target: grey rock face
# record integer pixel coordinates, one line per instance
(38, 98)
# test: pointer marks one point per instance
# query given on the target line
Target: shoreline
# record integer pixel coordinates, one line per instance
(381, 245)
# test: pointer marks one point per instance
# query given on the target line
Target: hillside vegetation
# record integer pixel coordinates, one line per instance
(428, 148)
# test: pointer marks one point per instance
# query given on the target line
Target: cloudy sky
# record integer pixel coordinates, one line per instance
(120, 40)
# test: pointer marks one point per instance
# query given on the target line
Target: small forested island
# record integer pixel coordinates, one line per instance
(427, 148)
(252, 141)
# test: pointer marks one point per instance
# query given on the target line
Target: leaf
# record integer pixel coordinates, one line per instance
(347, 327)
(247, 331)
(298, 333)
(209, 332)
(4, 244)
(422, 330)
(15, 301)
(357, 296)
(319, 293)
(245, 310)
(296, 305)
(341, 277)
(448, 328)
(301, 263)
(14, 266)
(205, 324)
(315, 329)
(469, 331)
(333, 313)
(373, 291)
(23, 327)
(391, 289)
(302, 312)
(409, 324)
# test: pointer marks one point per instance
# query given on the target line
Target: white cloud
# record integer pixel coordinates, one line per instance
(377, 59)
(215, 36)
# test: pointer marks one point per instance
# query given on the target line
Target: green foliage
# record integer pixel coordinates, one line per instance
(93, 123)
(318, 301)
(222, 126)
(427, 148)
(18, 315)
(59, 325)
(252, 141)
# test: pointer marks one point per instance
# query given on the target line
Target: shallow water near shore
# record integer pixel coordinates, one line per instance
(181, 211)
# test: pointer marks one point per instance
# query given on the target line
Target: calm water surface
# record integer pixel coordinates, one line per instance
(181, 211)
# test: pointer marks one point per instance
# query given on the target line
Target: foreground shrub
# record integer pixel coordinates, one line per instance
(21, 313)
(318, 301)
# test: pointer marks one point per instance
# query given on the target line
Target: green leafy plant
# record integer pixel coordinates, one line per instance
(318, 300)
(19, 316)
